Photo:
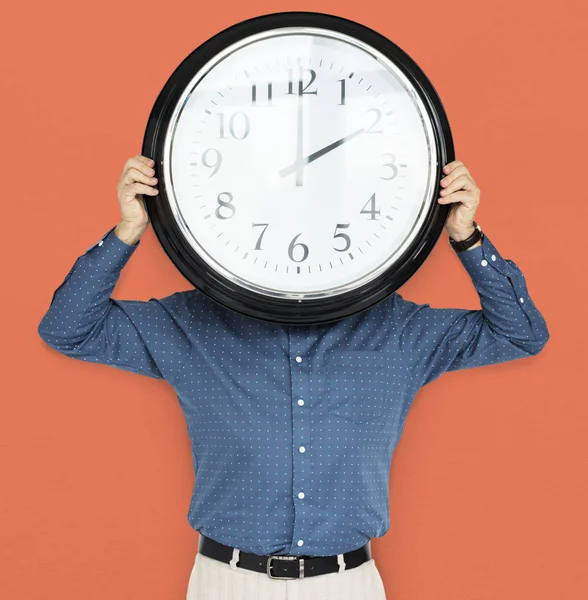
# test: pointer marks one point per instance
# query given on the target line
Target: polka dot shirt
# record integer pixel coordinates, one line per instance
(292, 427)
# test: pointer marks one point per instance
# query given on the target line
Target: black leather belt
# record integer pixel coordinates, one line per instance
(278, 566)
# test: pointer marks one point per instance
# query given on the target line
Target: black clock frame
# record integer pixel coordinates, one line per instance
(247, 302)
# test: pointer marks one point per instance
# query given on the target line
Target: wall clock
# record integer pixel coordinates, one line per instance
(299, 157)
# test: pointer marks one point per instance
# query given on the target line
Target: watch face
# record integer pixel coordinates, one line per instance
(299, 162)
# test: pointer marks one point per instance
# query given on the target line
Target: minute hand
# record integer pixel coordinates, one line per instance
(312, 157)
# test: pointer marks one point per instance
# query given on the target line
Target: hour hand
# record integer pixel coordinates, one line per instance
(299, 164)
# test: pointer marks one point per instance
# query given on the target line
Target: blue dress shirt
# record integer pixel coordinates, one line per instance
(292, 427)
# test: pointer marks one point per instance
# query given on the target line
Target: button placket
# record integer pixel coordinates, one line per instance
(301, 431)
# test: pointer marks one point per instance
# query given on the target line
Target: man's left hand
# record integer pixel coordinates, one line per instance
(459, 188)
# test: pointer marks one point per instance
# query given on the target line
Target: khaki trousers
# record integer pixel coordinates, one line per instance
(212, 579)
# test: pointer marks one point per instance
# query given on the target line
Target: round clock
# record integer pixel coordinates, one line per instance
(298, 161)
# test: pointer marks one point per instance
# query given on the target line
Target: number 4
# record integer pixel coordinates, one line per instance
(372, 211)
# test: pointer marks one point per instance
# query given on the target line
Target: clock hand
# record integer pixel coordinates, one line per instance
(301, 162)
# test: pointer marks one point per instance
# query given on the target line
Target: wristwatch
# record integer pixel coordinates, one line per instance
(468, 242)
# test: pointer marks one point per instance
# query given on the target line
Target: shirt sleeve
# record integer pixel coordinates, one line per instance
(507, 327)
(84, 322)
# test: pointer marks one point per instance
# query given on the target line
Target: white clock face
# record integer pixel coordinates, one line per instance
(300, 163)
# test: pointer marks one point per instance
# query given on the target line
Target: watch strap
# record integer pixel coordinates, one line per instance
(462, 245)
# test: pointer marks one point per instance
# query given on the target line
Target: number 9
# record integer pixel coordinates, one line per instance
(216, 164)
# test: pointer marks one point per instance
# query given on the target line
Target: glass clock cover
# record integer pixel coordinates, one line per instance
(299, 158)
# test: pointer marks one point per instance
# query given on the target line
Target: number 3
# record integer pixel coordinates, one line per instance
(392, 165)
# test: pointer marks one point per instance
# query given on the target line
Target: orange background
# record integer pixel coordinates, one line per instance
(489, 483)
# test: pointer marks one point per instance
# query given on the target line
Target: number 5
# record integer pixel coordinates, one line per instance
(344, 236)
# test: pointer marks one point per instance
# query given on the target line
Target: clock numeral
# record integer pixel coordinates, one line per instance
(225, 204)
(254, 94)
(391, 164)
(260, 238)
(301, 90)
(371, 129)
(244, 125)
(372, 210)
(293, 245)
(342, 82)
(218, 161)
(343, 236)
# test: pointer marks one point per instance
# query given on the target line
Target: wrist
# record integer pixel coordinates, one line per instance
(129, 233)
(462, 239)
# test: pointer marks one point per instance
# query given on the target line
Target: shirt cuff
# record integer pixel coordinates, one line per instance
(111, 249)
(484, 262)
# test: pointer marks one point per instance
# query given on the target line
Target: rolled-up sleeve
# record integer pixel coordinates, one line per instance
(507, 327)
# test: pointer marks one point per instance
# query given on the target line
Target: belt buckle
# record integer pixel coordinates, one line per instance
(277, 557)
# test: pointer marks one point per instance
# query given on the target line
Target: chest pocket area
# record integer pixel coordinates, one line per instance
(358, 384)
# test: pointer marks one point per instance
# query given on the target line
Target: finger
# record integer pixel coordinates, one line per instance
(460, 170)
(145, 159)
(131, 190)
(463, 182)
(460, 196)
(452, 165)
(134, 174)
(138, 164)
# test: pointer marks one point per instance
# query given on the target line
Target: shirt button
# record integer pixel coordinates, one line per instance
(302, 449)
(522, 299)
(300, 542)
(494, 257)
(100, 243)
(301, 495)
(301, 402)
(484, 262)
(298, 359)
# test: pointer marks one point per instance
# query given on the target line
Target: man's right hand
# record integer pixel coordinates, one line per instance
(138, 178)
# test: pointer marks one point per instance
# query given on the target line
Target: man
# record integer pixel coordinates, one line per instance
(292, 427)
